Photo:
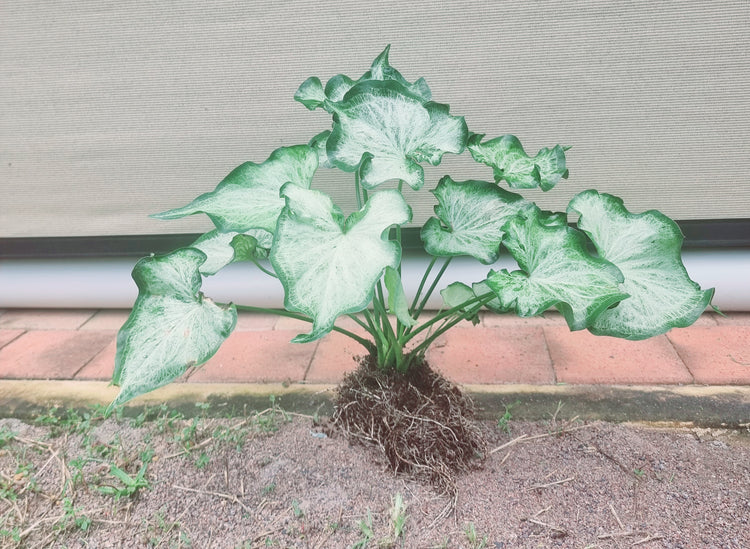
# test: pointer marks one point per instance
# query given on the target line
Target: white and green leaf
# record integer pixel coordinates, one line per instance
(396, 128)
(470, 219)
(508, 160)
(318, 143)
(172, 325)
(312, 94)
(252, 245)
(329, 265)
(248, 198)
(223, 248)
(646, 248)
(397, 302)
(555, 271)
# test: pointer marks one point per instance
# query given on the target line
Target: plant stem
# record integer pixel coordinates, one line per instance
(398, 229)
(359, 321)
(366, 343)
(392, 345)
(477, 301)
(380, 307)
(269, 273)
(421, 285)
(376, 333)
(358, 190)
(432, 288)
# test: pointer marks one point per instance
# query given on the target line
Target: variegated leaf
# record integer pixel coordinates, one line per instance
(329, 265)
(556, 270)
(510, 162)
(172, 325)
(646, 248)
(312, 94)
(248, 198)
(396, 128)
(221, 248)
(470, 218)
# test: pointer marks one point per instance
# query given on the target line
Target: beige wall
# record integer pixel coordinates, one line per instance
(110, 111)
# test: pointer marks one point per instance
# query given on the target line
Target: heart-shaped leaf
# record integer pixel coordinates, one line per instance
(646, 248)
(329, 265)
(248, 198)
(396, 128)
(510, 162)
(312, 94)
(470, 218)
(556, 270)
(172, 325)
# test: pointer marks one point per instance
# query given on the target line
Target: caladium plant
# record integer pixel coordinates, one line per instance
(612, 272)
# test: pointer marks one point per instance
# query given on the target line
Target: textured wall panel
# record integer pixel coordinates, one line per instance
(110, 111)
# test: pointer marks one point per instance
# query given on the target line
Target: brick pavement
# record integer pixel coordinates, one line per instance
(80, 345)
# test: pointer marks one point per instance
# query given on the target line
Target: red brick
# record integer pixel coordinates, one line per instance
(715, 355)
(583, 358)
(45, 319)
(53, 354)
(334, 357)
(257, 357)
(255, 322)
(6, 336)
(109, 319)
(706, 319)
(733, 319)
(284, 323)
(494, 320)
(102, 366)
(493, 355)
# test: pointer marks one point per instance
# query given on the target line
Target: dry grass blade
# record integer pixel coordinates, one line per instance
(526, 438)
(617, 518)
(559, 532)
(647, 539)
(550, 484)
(229, 497)
(508, 444)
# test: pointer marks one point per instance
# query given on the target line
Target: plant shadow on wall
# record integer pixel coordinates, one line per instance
(614, 273)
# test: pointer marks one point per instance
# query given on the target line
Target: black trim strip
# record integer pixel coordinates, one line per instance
(711, 233)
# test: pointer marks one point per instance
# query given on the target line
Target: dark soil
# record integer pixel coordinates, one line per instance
(422, 423)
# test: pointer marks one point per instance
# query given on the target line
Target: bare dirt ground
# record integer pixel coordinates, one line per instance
(274, 479)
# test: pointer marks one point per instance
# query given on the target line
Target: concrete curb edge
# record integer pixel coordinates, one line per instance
(712, 406)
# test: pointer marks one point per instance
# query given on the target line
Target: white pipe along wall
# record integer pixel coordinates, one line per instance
(107, 284)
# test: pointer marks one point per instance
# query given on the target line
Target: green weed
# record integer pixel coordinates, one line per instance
(398, 517)
(6, 436)
(365, 528)
(503, 422)
(473, 538)
(296, 510)
(202, 460)
(128, 485)
(73, 516)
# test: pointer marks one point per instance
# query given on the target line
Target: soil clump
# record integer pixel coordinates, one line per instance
(422, 423)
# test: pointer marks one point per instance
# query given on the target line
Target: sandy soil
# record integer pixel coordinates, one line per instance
(279, 481)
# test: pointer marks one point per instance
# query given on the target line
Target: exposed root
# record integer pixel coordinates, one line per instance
(422, 423)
